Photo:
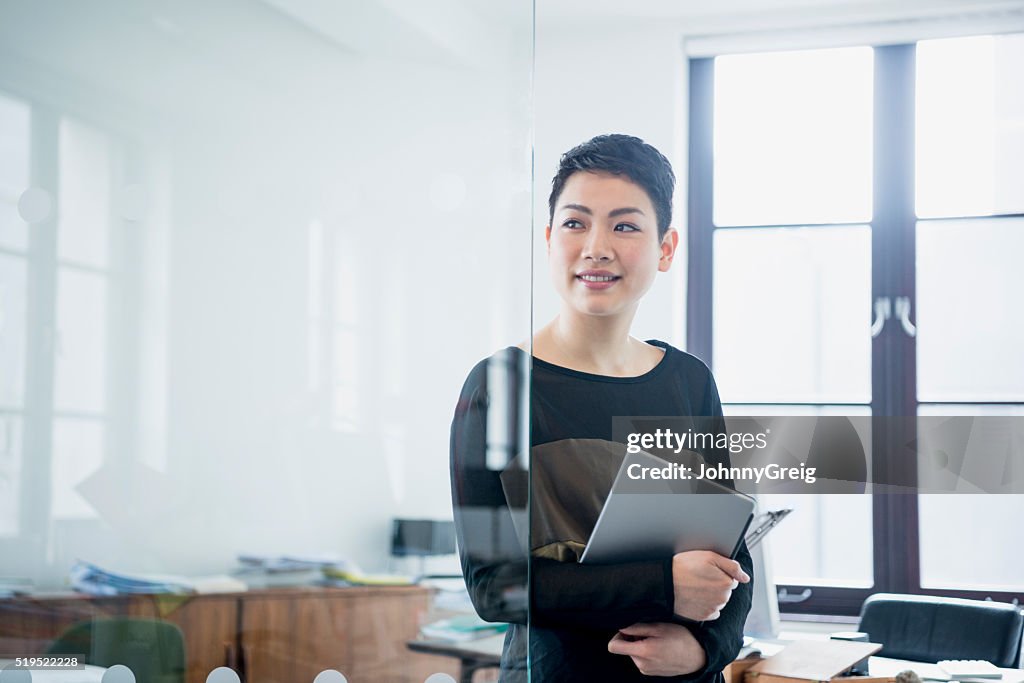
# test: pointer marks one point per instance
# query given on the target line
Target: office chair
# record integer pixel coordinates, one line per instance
(154, 650)
(930, 629)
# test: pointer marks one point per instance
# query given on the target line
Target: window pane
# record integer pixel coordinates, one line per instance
(793, 137)
(80, 364)
(10, 472)
(970, 319)
(12, 330)
(977, 525)
(970, 135)
(15, 121)
(792, 314)
(84, 195)
(77, 453)
(827, 539)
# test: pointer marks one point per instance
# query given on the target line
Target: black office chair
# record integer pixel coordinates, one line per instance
(929, 629)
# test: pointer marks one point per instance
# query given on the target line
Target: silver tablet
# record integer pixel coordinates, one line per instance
(656, 509)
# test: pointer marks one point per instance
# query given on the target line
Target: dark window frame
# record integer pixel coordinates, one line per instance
(895, 517)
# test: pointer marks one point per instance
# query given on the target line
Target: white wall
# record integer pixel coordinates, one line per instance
(606, 79)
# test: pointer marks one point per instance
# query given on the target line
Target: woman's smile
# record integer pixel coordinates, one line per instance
(597, 279)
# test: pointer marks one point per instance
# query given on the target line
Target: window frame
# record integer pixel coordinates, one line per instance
(123, 276)
(895, 517)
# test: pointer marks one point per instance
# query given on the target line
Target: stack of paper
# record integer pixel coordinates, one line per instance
(970, 668)
(462, 628)
(349, 573)
(89, 578)
(274, 571)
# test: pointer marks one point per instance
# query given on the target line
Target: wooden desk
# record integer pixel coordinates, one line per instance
(473, 655)
(280, 635)
(484, 653)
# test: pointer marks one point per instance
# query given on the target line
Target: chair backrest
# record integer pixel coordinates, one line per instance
(154, 650)
(930, 629)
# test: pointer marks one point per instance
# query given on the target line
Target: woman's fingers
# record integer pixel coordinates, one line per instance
(621, 645)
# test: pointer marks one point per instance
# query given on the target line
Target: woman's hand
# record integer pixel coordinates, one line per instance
(703, 583)
(659, 649)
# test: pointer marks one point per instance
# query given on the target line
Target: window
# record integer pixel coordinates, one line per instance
(80, 402)
(811, 206)
(333, 342)
(15, 121)
(60, 278)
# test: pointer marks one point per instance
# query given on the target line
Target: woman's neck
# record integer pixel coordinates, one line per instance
(599, 345)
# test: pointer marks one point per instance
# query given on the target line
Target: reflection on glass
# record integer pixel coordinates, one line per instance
(85, 194)
(791, 314)
(77, 453)
(970, 135)
(13, 300)
(81, 352)
(793, 137)
(10, 472)
(14, 170)
(212, 348)
(970, 320)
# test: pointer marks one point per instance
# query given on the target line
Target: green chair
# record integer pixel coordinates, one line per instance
(154, 650)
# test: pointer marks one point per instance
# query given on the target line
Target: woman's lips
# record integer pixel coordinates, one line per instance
(598, 281)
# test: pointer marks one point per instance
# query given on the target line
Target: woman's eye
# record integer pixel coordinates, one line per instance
(626, 227)
(572, 223)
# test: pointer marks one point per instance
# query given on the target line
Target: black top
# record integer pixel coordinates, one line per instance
(575, 609)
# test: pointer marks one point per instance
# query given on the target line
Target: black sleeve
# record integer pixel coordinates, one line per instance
(603, 597)
(723, 637)
(494, 561)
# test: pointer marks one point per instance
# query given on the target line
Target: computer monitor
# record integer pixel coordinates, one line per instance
(422, 537)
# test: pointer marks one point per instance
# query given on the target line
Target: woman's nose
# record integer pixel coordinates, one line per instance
(596, 246)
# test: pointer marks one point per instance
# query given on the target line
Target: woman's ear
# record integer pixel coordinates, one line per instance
(668, 249)
(547, 237)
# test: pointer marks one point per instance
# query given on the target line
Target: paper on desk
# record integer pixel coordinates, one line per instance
(816, 660)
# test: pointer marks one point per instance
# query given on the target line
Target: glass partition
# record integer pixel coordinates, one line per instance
(249, 255)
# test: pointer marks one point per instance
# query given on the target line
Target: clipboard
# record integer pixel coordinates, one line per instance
(763, 523)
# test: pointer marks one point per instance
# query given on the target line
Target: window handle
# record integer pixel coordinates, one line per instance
(883, 311)
(903, 313)
(785, 597)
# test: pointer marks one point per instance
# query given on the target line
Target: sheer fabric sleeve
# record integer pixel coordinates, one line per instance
(494, 560)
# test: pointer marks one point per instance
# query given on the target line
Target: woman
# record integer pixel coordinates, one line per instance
(608, 237)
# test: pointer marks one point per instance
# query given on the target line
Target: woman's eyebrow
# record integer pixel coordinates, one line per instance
(611, 214)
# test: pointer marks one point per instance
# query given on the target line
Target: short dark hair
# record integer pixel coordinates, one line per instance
(623, 155)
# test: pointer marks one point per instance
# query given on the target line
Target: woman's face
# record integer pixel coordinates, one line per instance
(603, 246)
